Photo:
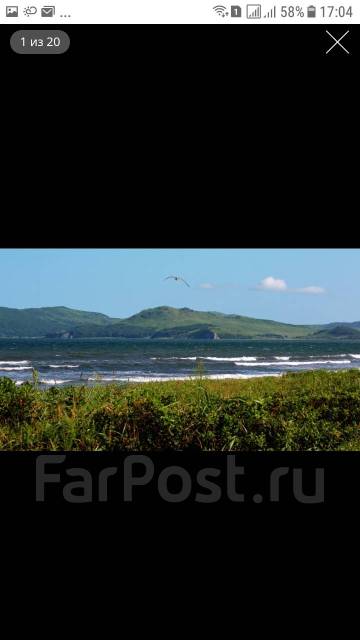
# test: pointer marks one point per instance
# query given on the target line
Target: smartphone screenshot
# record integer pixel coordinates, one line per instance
(175, 353)
(290, 27)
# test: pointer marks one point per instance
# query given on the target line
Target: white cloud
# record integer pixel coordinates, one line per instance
(272, 284)
(207, 285)
(276, 284)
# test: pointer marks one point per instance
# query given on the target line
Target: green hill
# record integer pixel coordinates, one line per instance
(160, 322)
(186, 323)
(339, 331)
(39, 322)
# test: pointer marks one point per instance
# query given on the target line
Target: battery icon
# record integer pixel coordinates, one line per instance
(311, 12)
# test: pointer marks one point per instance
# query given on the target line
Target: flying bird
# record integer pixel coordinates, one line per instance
(177, 278)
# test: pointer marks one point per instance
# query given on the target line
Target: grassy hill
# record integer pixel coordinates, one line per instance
(39, 322)
(160, 322)
(339, 331)
(180, 323)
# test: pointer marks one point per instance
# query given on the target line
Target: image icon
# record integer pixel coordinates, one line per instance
(12, 12)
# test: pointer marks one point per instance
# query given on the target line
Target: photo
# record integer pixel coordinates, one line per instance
(224, 350)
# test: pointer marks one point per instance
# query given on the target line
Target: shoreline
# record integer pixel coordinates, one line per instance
(83, 362)
(139, 380)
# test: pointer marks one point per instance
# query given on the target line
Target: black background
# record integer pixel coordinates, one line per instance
(18, 472)
(260, 43)
(179, 136)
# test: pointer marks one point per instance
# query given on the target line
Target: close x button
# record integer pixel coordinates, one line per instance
(40, 41)
(337, 45)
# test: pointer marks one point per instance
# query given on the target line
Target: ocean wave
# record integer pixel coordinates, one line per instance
(243, 376)
(331, 355)
(169, 378)
(212, 358)
(101, 378)
(298, 363)
(14, 362)
(117, 375)
(64, 366)
(53, 382)
(282, 358)
(176, 358)
(14, 368)
(356, 356)
(295, 363)
(242, 358)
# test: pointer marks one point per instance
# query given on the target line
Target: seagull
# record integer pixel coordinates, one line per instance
(177, 278)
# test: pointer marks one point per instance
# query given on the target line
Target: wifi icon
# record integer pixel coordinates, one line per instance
(221, 11)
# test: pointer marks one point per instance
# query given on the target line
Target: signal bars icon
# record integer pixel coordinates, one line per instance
(271, 14)
(253, 11)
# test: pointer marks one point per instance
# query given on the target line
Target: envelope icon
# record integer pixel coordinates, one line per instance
(47, 12)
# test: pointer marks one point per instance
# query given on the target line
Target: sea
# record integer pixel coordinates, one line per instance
(104, 361)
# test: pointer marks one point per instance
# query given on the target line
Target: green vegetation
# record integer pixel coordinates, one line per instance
(160, 322)
(167, 322)
(299, 411)
(39, 322)
(339, 331)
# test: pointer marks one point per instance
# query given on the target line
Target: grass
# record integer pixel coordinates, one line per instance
(299, 411)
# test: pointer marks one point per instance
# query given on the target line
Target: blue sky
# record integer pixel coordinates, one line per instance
(292, 285)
